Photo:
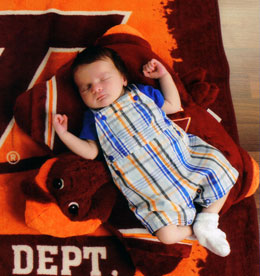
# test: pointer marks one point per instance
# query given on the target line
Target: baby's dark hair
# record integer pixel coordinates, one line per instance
(95, 53)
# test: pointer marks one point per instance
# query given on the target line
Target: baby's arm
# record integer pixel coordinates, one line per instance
(87, 149)
(156, 70)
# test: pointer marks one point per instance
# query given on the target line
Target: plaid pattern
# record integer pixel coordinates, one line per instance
(160, 169)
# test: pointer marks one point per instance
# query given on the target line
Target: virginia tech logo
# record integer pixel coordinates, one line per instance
(46, 52)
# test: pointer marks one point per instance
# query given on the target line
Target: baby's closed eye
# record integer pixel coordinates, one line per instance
(85, 88)
(105, 78)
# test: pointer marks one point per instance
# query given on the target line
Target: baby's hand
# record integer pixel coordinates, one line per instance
(60, 123)
(154, 69)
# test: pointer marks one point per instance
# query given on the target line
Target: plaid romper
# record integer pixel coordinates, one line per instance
(159, 168)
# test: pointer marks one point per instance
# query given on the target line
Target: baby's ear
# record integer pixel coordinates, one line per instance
(125, 82)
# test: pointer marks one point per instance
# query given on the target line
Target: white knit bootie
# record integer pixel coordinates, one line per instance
(209, 235)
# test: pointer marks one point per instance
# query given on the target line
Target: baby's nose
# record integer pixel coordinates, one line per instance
(96, 88)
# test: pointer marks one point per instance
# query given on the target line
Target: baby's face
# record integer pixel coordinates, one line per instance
(99, 83)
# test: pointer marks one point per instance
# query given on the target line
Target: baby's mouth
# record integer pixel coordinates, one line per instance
(101, 97)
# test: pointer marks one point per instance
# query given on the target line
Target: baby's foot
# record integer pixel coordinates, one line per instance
(209, 235)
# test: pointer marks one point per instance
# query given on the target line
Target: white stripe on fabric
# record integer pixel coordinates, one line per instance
(50, 109)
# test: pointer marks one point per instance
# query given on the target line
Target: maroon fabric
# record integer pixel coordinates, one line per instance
(26, 39)
(45, 255)
(198, 32)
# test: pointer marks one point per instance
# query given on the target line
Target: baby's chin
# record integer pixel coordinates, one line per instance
(106, 101)
(102, 103)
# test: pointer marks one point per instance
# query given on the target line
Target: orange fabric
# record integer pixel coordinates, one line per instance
(123, 29)
(189, 266)
(255, 180)
(18, 142)
(39, 214)
(152, 24)
(13, 205)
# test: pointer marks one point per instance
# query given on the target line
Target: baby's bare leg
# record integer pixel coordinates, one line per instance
(216, 206)
(171, 234)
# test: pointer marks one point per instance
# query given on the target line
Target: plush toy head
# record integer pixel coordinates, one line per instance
(83, 189)
(70, 189)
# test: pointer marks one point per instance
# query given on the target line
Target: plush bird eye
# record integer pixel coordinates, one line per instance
(73, 208)
(58, 183)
